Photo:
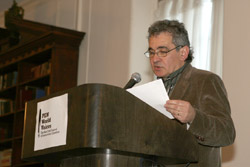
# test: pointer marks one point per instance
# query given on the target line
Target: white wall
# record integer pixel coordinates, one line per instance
(117, 40)
(141, 18)
(236, 78)
(109, 41)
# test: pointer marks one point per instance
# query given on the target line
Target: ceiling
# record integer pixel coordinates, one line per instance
(6, 4)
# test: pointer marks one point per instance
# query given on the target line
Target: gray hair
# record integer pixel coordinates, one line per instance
(178, 31)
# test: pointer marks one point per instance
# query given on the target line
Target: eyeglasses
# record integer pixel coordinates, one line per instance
(159, 53)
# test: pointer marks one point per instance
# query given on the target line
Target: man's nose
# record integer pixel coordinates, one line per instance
(156, 58)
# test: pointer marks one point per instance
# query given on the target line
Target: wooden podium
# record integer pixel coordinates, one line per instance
(107, 126)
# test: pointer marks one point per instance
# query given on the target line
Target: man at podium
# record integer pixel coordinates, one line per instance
(198, 98)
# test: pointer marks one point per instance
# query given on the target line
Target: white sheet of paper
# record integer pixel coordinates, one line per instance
(154, 94)
(51, 122)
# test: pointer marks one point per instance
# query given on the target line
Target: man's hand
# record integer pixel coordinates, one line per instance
(181, 110)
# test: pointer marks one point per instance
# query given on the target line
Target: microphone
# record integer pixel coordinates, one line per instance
(135, 78)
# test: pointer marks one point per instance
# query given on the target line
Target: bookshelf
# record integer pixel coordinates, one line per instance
(44, 61)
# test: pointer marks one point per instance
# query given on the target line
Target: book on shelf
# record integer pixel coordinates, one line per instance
(6, 106)
(41, 70)
(5, 132)
(30, 93)
(25, 95)
(8, 79)
(47, 90)
(5, 158)
(1, 82)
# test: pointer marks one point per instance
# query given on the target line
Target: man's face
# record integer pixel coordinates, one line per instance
(163, 66)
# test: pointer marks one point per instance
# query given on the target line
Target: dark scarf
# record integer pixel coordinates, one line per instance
(172, 78)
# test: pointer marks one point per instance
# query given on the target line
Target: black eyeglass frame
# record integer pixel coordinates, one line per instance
(147, 53)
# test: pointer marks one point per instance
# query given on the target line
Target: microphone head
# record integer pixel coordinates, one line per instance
(136, 76)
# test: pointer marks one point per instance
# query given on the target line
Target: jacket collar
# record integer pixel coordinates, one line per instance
(182, 84)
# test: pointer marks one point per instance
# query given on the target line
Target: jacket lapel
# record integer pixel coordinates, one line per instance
(182, 84)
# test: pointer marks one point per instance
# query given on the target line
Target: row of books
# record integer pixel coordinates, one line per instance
(8, 80)
(5, 158)
(40, 70)
(29, 93)
(6, 106)
(26, 93)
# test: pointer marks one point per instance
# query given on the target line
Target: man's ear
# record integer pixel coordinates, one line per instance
(184, 52)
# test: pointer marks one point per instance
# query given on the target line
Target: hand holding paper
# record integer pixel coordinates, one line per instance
(154, 94)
